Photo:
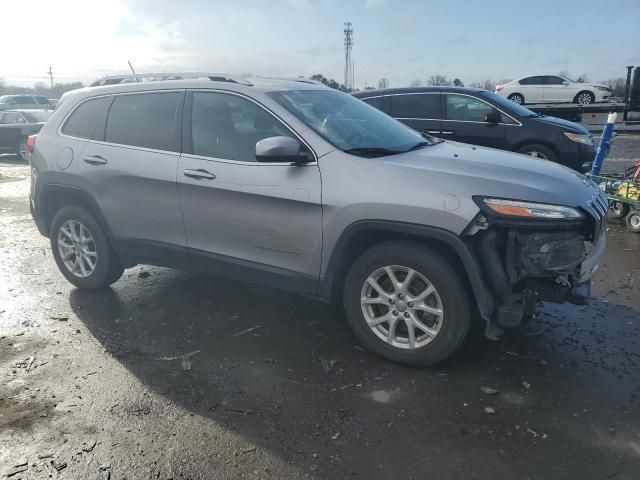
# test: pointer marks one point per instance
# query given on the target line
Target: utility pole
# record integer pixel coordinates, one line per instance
(50, 72)
(348, 65)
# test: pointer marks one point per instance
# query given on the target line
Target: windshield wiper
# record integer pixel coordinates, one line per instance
(418, 145)
(372, 151)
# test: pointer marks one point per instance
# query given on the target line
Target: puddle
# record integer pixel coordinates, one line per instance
(385, 396)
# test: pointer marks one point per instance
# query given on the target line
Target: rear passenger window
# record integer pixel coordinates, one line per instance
(82, 121)
(147, 120)
(42, 100)
(420, 106)
(228, 126)
(374, 102)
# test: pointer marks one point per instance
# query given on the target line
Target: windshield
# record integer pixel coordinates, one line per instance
(508, 105)
(37, 116)
(568, 79)
(350, 124)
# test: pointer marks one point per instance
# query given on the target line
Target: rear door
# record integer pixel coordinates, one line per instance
(420, 111)
(533, 89)
(130, 169)
(464, 121)
(245, 219)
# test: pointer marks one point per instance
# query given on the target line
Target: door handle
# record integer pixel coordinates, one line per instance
(199, 174)
(447, 132)
(95, 160)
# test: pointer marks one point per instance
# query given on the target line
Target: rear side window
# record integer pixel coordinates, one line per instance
(374, 102)
(420, 106)
(147, 120)
(82, 121)
(42, 100)
(24, 100)
(532, 81)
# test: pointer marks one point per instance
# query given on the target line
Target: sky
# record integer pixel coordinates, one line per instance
(400, 40)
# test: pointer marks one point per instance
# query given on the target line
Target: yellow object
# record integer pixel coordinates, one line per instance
(629, 190)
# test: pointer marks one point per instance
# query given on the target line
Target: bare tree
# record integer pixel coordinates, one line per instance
(416, 83)
(457, 82)
(438, 80)
(383, 83)
(617, 86)
(582, 78)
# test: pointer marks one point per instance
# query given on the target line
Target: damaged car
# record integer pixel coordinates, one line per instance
(293, 185)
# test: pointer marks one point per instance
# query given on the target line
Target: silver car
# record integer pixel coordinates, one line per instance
(296, 186)
(24, 102)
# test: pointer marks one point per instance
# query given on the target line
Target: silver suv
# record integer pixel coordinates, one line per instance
(296, 186)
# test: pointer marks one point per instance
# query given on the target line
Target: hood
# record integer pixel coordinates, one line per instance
(589, 84)
(467, 170)
(559, 122)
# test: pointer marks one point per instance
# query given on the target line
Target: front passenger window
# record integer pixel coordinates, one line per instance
(466, 109)
(228, 126)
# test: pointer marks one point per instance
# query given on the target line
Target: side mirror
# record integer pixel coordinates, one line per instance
(492, 117)
(280, 149)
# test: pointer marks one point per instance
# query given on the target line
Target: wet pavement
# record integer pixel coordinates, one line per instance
(171, 375)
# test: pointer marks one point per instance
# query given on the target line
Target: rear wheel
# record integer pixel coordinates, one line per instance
(407, 303)
(22, 151)
(539, 151)
(516, 98)
(81, 250)
(585, 98)
(633, 221)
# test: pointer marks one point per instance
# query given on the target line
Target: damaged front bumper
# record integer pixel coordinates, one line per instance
(525, 264)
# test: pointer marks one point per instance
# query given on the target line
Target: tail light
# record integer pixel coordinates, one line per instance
(31, 143)
(498, 88)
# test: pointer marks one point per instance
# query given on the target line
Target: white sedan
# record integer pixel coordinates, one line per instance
(553, 89)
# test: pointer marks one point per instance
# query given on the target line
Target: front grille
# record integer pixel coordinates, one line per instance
(598, 207)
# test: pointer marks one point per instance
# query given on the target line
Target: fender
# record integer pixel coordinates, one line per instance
(54, 188)
(482, 295)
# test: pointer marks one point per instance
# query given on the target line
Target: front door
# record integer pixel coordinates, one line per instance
(464, 121)
(420, 111)
(557, 90)
(254, 221)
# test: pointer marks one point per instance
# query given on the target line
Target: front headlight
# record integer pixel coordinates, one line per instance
(580, 138)
(518, 209)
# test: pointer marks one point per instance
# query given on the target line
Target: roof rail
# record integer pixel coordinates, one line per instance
(139, 77)
(291, 79)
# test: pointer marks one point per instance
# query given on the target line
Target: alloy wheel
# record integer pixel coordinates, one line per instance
(23, 152)
(534, 153)
(77, 248)
(584, 98)
(402, 307)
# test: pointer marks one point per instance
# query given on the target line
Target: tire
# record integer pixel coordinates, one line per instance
(21, 150)
(106, 267)
(450, 298)
(633, 221)
(538, 150)
(619, 209)
(585, 98)
(517, 98)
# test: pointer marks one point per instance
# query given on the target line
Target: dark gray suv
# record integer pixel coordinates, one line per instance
(293, 185)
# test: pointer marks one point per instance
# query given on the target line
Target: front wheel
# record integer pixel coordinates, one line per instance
(585, 98)
(619, 209)
(81, 250)
(539, 151)
(407, 303)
